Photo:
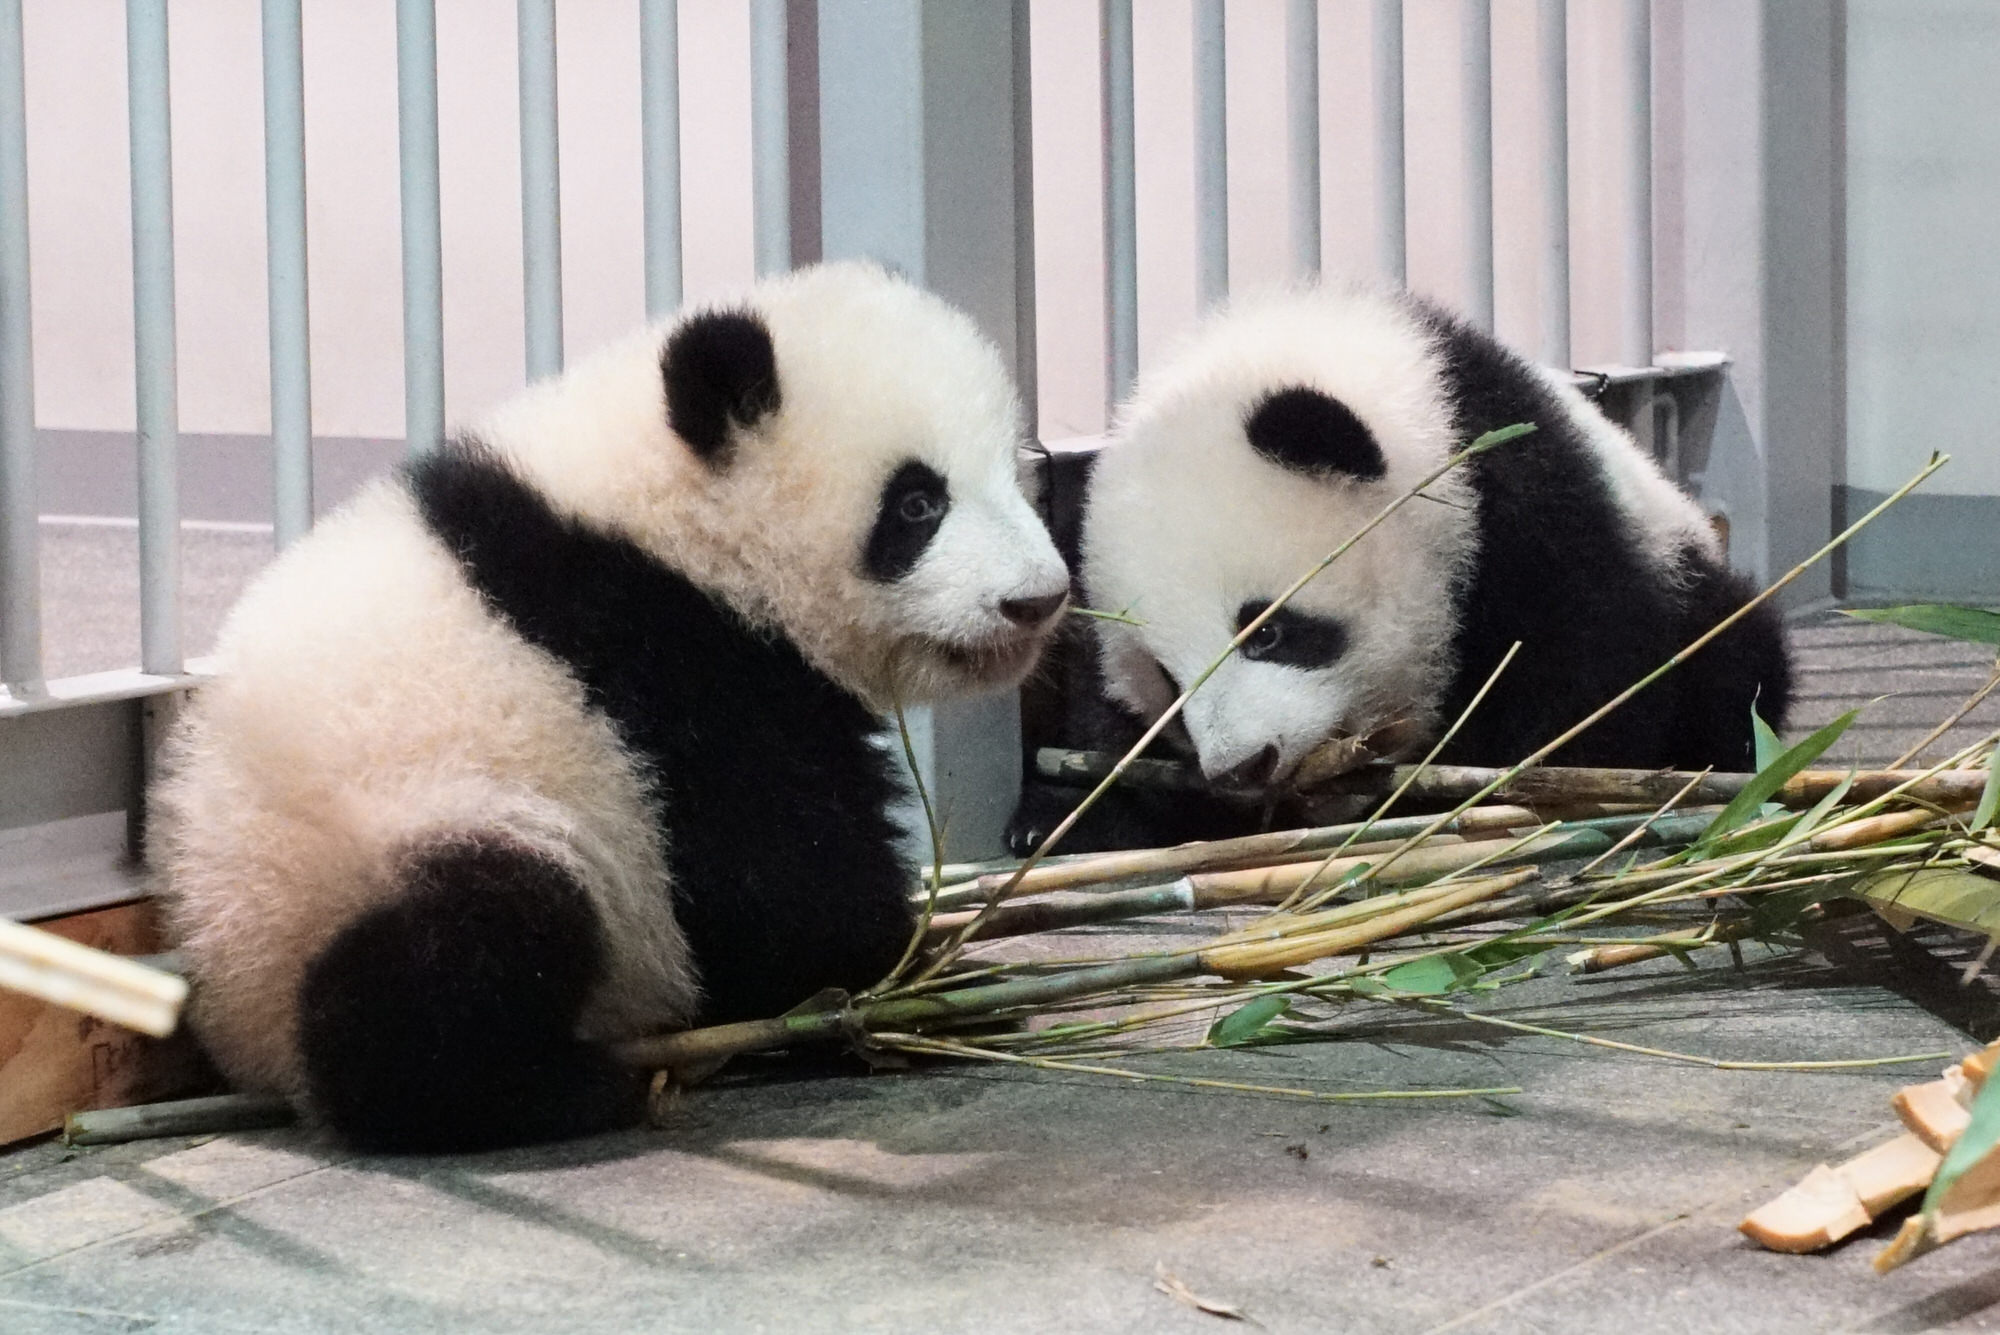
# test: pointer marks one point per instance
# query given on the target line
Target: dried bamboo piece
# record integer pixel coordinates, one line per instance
(1831, 1203)
(1934, 1111)
(182, 1117)
(96, 982)
(1261, 959)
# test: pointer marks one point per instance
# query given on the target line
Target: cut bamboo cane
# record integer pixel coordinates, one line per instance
(1445, 784)
(183, 1117)
(1262, 959)
(96, 982)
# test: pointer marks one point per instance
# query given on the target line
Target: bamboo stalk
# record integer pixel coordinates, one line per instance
(96, 982)
(1261, 959)
(182, 1117)
(1538, 786)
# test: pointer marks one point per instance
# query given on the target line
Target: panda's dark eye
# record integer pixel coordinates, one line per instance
(1291, 639)
(918, 507)
(913, 505)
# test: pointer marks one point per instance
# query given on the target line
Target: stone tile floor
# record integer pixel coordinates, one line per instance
(784, 1198)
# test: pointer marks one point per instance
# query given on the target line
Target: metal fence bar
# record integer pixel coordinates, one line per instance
(660, 150)
(1302, 138)
(541, 189)
(20, 579)
(1121, 211)
(1476, 90)
(1554, 42)
(1392, 252)
(1211, 154)
(1635, 340)
(285, 260)
(770, 143)
(423, 240)
(153, 335)
(1027, 367)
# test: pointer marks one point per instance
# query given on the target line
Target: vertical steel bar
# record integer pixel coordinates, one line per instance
(660, 138)
(541, 189)
(1302, 108)
(1027, 369)
(20, 579)
(153, 335)
(1392, 242)
(1121, 212)
(285, 247)
(1636, 202)
(1211, 153)
(423, 241)
(770, 144)
(1554, 40)
(1476, 90)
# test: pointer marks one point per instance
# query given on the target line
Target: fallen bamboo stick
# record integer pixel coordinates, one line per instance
(96, 982)
(182, 1117)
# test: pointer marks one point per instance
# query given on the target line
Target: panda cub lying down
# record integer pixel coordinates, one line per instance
(1281, 430)
(568, 733)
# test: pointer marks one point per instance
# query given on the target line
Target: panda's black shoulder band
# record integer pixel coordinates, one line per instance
(1309, 431)
(721, 371)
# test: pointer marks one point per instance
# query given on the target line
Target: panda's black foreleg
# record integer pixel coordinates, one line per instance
(445, 1019)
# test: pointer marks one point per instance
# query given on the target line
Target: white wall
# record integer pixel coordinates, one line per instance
(80, 208)
(1923, 183)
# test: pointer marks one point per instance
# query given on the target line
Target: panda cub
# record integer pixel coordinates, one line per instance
(1285, 426)
(570, 732)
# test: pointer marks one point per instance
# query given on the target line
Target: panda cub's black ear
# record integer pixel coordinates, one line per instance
(721, 372)
(1310, 432)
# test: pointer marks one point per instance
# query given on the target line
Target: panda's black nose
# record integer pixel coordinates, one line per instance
(1031, 611)
(1252, 773)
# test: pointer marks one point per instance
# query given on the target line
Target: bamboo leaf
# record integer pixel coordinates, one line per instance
(1958, 623)
(1769, 746)
(1948, 895)
(1772, 777)
(1433, 975)
(1247, 1022)
(1501, 435)
(1974, 1143)
(1989, 797)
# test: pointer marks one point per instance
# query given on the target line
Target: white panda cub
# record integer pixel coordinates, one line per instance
(569, 732)
(1283, 428)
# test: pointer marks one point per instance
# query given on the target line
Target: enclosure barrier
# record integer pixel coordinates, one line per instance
(85, 753)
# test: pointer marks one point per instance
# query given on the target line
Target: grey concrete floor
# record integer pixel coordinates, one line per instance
(780, 1197)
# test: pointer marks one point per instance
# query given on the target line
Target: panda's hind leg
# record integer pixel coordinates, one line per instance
(445, 1018)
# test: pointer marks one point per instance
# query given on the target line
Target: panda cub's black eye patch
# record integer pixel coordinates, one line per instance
(1291, 639)
(914, 502)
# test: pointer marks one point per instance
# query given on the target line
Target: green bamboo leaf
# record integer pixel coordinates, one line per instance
(1501, 435)
(1772, 777)
(1953, 896)
(1248, 1021)
(1973, 624)
(1989, 796)
(1433, 975)
(1769, 746)
(1973, 1144)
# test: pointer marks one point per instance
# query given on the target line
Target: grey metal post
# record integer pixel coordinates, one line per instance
(770, 154)
(660, 140)
(1211, 153)
(1392, 246)
(1554, 39)
(1121, 210)
(1027, 370)
(1635, 338)
(918, 137)
(20, 580)
(153, 336)
(285, 262)
(541, 189)
(1476, 90)
(423, 240)
(1302, 138)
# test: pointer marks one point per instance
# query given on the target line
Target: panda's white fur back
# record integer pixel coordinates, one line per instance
(366, 700)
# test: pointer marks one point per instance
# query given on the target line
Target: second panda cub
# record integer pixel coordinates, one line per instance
(1283, 429)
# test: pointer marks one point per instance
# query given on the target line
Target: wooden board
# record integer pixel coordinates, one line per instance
(55, 1061)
